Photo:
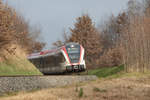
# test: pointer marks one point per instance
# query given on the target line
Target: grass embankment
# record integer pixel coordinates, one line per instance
(115, 72)
(106, 72)
(18, 67)
(16, 63)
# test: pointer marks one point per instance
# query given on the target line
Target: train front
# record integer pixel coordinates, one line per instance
(74, 54)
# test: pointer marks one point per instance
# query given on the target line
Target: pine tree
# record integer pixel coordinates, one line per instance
(86, 34)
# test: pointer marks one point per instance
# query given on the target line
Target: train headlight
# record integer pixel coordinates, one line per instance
(75, 67)
(72, 46)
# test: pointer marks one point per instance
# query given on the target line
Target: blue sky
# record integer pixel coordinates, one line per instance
(55, 16)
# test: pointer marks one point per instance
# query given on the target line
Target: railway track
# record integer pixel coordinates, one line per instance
(21, 76)
(57, 74)
(43, 75)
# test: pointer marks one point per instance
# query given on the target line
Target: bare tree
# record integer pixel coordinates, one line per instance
(136, 43)
(15, 30)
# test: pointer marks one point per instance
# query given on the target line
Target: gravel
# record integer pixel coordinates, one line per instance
(15, 84)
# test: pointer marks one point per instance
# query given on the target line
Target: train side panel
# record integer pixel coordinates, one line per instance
(50, 64)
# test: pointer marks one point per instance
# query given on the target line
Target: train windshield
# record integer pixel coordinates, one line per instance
(73, 53)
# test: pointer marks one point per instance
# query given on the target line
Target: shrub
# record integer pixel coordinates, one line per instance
(80, 93)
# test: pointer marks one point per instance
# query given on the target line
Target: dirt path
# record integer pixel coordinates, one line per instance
(104, 89)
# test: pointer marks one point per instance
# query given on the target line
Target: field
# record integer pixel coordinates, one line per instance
(116, 86)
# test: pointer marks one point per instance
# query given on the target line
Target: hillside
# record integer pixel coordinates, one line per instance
(16, 63)
(18, 67)
(16, 41)
(24, 67)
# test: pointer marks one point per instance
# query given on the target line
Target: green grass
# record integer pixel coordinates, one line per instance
(106, 72)
(80, 94)
(116, 72)
(18, 67)
(8, 94)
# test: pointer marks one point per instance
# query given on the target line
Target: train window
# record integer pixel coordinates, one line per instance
(73, 53)
(41, 62)
(60, 58)
(49, 61)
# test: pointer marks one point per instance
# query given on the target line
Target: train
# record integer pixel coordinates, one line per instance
(68, 58)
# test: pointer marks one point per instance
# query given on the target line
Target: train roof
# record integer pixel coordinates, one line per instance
(44, 53)
(49, 52)
(71, 43)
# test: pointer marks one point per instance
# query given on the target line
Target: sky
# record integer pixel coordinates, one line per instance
(55, 16)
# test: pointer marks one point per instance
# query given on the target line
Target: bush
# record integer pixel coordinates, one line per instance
(110, 58)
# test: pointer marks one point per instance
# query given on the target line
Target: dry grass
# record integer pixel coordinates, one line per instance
(132, 88)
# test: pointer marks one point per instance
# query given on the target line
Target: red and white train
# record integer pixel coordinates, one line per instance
(68, 58)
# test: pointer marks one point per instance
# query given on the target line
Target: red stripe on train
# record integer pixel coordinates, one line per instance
(67, 55)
